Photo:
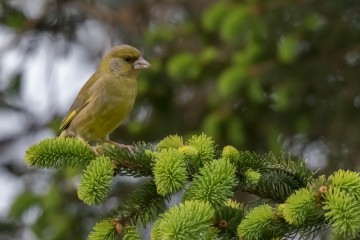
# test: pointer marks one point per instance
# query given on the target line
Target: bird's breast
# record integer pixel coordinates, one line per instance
(116, 100)
(109, 106)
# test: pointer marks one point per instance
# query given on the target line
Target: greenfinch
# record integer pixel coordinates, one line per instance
(106, 98)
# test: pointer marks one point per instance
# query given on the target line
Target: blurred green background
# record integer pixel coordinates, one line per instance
(281, 76)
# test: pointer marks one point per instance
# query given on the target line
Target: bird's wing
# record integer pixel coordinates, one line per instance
(83, 98)
(77, 106)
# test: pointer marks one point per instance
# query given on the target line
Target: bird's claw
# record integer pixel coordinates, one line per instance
(130, 148)
(98, 149)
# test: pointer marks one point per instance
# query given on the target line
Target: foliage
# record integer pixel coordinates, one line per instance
(307, 206)
(141, 157)
(96, 181)
(142, 205)
(169, 171)
(214, 183)
(342, 203)
(189, 220)
(300, 207)
(259, 75)
(103, 230)
(257, 224)
(59, 152)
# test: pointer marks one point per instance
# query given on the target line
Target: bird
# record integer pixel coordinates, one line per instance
(106, 98)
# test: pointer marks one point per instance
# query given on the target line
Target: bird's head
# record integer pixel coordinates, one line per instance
(123, 59)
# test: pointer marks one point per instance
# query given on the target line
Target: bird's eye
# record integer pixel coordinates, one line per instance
(128, 59)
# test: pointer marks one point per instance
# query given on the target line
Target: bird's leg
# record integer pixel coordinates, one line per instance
(130, 148)
(97, 149)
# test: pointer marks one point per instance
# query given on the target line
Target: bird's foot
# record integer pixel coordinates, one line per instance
(99, 150)
(130, 148)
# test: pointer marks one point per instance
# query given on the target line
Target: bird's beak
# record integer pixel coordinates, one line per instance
(141, 63)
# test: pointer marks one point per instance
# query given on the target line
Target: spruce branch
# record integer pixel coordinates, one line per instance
(191, 156)
(172, 141)
(294, 169)
(265, 222)
(205, 148)
(308, 210)
(280, 176)
(246, 160)
(251, 177)
(169, 171)
(342, 212)
(110, 229)
(96, 181)
(131, 233)
(59, 153)
(257, 224)
(136, 164)
(347, 181)
(228, 217)
(302, 208)
(230, 153)
(143, 205)
(274, 185)
(308, 204)
(214, 183)
(189, 220)
(103, 230)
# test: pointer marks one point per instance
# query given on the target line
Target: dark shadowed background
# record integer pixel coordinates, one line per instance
(259, 75)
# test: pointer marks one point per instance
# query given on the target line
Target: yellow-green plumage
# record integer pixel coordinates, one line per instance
(107, 97)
